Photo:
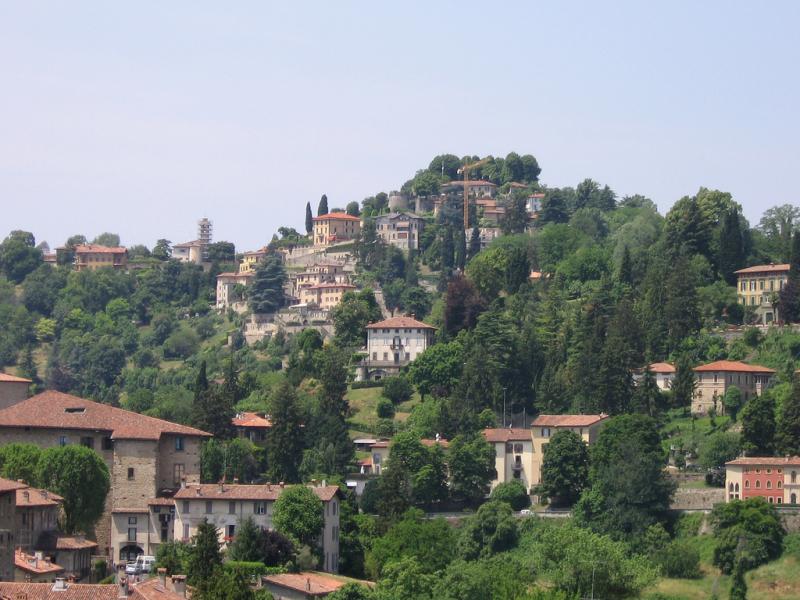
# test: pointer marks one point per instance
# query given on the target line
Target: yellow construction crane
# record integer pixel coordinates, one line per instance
(465, 171)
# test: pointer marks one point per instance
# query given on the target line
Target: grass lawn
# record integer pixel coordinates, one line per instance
(684, 431)
(363, 403)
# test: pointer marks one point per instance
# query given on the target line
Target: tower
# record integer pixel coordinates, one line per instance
(204, 227)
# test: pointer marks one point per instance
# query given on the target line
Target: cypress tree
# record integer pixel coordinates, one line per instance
(309, 218)
(625, 267)
(731, 246)
(789, 304)
(474, 243)
(448, 249)
(460, 249)
(684, 383)
(285, 441)
(680, 309)
(205, 556)
(648, 398)
(787, 435)
(266, 291)
(322, 209)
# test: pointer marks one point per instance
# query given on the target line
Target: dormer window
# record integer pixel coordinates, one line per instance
(75, 410)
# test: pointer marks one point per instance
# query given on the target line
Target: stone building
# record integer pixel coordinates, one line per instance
(94, 256)
(12, 389)
(146, 457)
(8, 495)
(393, 344)
(401, 230)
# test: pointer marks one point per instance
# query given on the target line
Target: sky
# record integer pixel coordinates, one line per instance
(140, 118)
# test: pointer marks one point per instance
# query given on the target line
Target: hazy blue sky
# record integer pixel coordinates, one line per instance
(141, 117)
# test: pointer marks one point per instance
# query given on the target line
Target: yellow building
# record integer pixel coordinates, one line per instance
(325, 295)
(758, 287)
(334, 228)
(94, 256)
(251, 259)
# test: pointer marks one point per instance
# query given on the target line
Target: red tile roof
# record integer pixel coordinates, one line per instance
(507, 435)
(160, 502)
(767, 461)
(251, 419)
(7, 485)
(325, 286)
(337, 216)
(45, 591)
(567, 420)
(6, 378)
(440, 442)
(74, 542)
(151, 589)
(192, 244)
(763, 269)
(98, 249)
(400, 323)
(29, 563)
(237, 491)
(29, 496)
(662, 367)
(311, 584)
(55, 410)
(734, 366)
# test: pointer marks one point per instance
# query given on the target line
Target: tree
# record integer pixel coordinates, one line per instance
(246, 545)
(107, 239)
(554, 208)
(266, 291)
(352, 315)
(789, 298)
(405, 579)
(738, 583)
(718, 448)
(787, 434)
(309, 219)
(680, 308)
(628, 487)
(81, 477)
(515, 219)
(351, 591)
(227, 584)
(285, 440)
(322, 208)
(471, 461)
(298, 513)
(747, 531)
(205, 556)
(397, 389)
(512, 493)
(493, 529)
(222, 252)
(19, 256)
(463, 304)
(163, 249)
(20, 462)
(684, 383)
(648, 398)
(429, 483)
(779, 223)
(438, 369)
(214, 412)
(474, 243)
(731, 254)
(758, 426)
(174, 557)
(732, 401)
(353, 209)
(565, 469)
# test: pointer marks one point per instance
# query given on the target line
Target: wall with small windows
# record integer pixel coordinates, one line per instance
(7, 542)
(178, 457)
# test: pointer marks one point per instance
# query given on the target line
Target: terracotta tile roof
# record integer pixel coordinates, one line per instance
(258, 252)
(45, 591)
(55, 410)
(567, 420)
(7, 485)
(192, 244)
(337, 216)
(73, 542)
(251, 419)
(151, 589)
(440, 442)
(6, 378)
(325, 286)
(29, 496)
(232, 274)
(768, 461)
(237, 491)
(763, 269)
(662, 367)
(98, 249)
(734, 366)
(400, 323)
(160, 502)
(380, 444)
(507, 435)
(470, 182)
(311, 584)
(29, 563)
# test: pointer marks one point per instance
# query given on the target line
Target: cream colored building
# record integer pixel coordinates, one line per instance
(714, 379)
(325, 295)
(226, 286)
(189, 252)
(226, 505)
(12, 389)
(664, 374)
(758, 288)
(334, 228)
(393, 344)
(94, 256)
(146, 457)
(401, 230)
(519, 452)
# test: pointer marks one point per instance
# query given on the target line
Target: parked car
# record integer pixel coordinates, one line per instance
(142, 564)
(134, 567)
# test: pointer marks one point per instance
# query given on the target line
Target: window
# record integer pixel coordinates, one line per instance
(780, 485)
(747, 485)
(179, 443)
(334, 508)
(546, 432)
(769, 485)
(186, 506)
(62, 440)
(132, 520)
(108, 443)
(793, 476)
(518, 448)
(130, 473)
(260, 508)
(780, 500)
(178, 471)
(509, 447)
(758, 484)
(88, 441)
(185, 531)
(209, 507)
(131, 534)
(231, 530)
(770, 500)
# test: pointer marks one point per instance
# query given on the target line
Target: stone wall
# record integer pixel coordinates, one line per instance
(697, 498)
(7, 507)
(12, 392)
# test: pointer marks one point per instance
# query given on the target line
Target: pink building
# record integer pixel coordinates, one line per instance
(773, 478)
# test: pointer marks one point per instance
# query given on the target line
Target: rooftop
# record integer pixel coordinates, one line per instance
(507, 435)
(47, 591)
(311, 584)
(56, 410)
(6, 378)
(567, 420)
(32, 564)
(771, 268)
(770, 461)
(97, 248)
(29, 496)
(251, 419)
(337, 216)
(192, 244)
(662, 367)
(238, 491)
(435, 442)
(7, 485)
(400, 323)
(325, 286)
(734, 366)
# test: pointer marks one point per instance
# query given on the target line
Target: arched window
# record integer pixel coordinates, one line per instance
(730, 487)
(780, 485)
(794, 476)
(736, 488)
(769, 485)
(747, 485)
(758, 484)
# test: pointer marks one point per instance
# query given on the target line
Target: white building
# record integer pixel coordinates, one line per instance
(393, 344)
(189, 252)
(401, 230)
(226, 505)
(664, 373)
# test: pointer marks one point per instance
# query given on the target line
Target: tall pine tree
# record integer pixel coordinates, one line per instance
(474, 243)
(309, 218)
(683, 384)
(460, 259)
(731, 254)
(266, 292)
(758, 426)
(285, 441)
(322, 208)
(787, 434)
(789, 304)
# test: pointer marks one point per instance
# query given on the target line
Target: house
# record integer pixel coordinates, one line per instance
(36, 516)
(251, 259)
(8, 502)
(226, 287)
(380, 449)
(305, 585)
(35, 568)
(774, 478)
(401, 230)
(226, 505)
(316, 274)
(155, 588)
(146, 457)
(487, 235)
(519, 452)
(534, 204)
(714, 379)
(72, 552)
(334, 228)
(478, 188)
(252, 426)
(324, 295)
(758, 288)
(12, 389)
(393, 344)
(664, 373)
(95, 256)
(189, 252)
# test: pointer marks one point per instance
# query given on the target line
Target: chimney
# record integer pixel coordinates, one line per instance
(179, 584)
(281, 484)
(222, 486)
(235, 480)
(308, 584)
(39, 555)
(162, 577)
(60, 584)
(26, 495)
(122, 588)
(183, 483)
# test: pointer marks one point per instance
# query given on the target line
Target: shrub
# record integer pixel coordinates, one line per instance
(385, 427)
(513, 493)
(680, 559)
(385, 408)
(397, 389)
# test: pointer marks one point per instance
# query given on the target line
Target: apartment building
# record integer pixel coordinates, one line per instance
(95, 256)
(8, 500)
(393, 344)
(334, 228)
(146, 457)
(324, 295)
(401, 230)
(714, 379)
(774, 478)
(251, 259)
(519, 452)
(226, 287)
(226, 505)
(12, 389)
(758, 288)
